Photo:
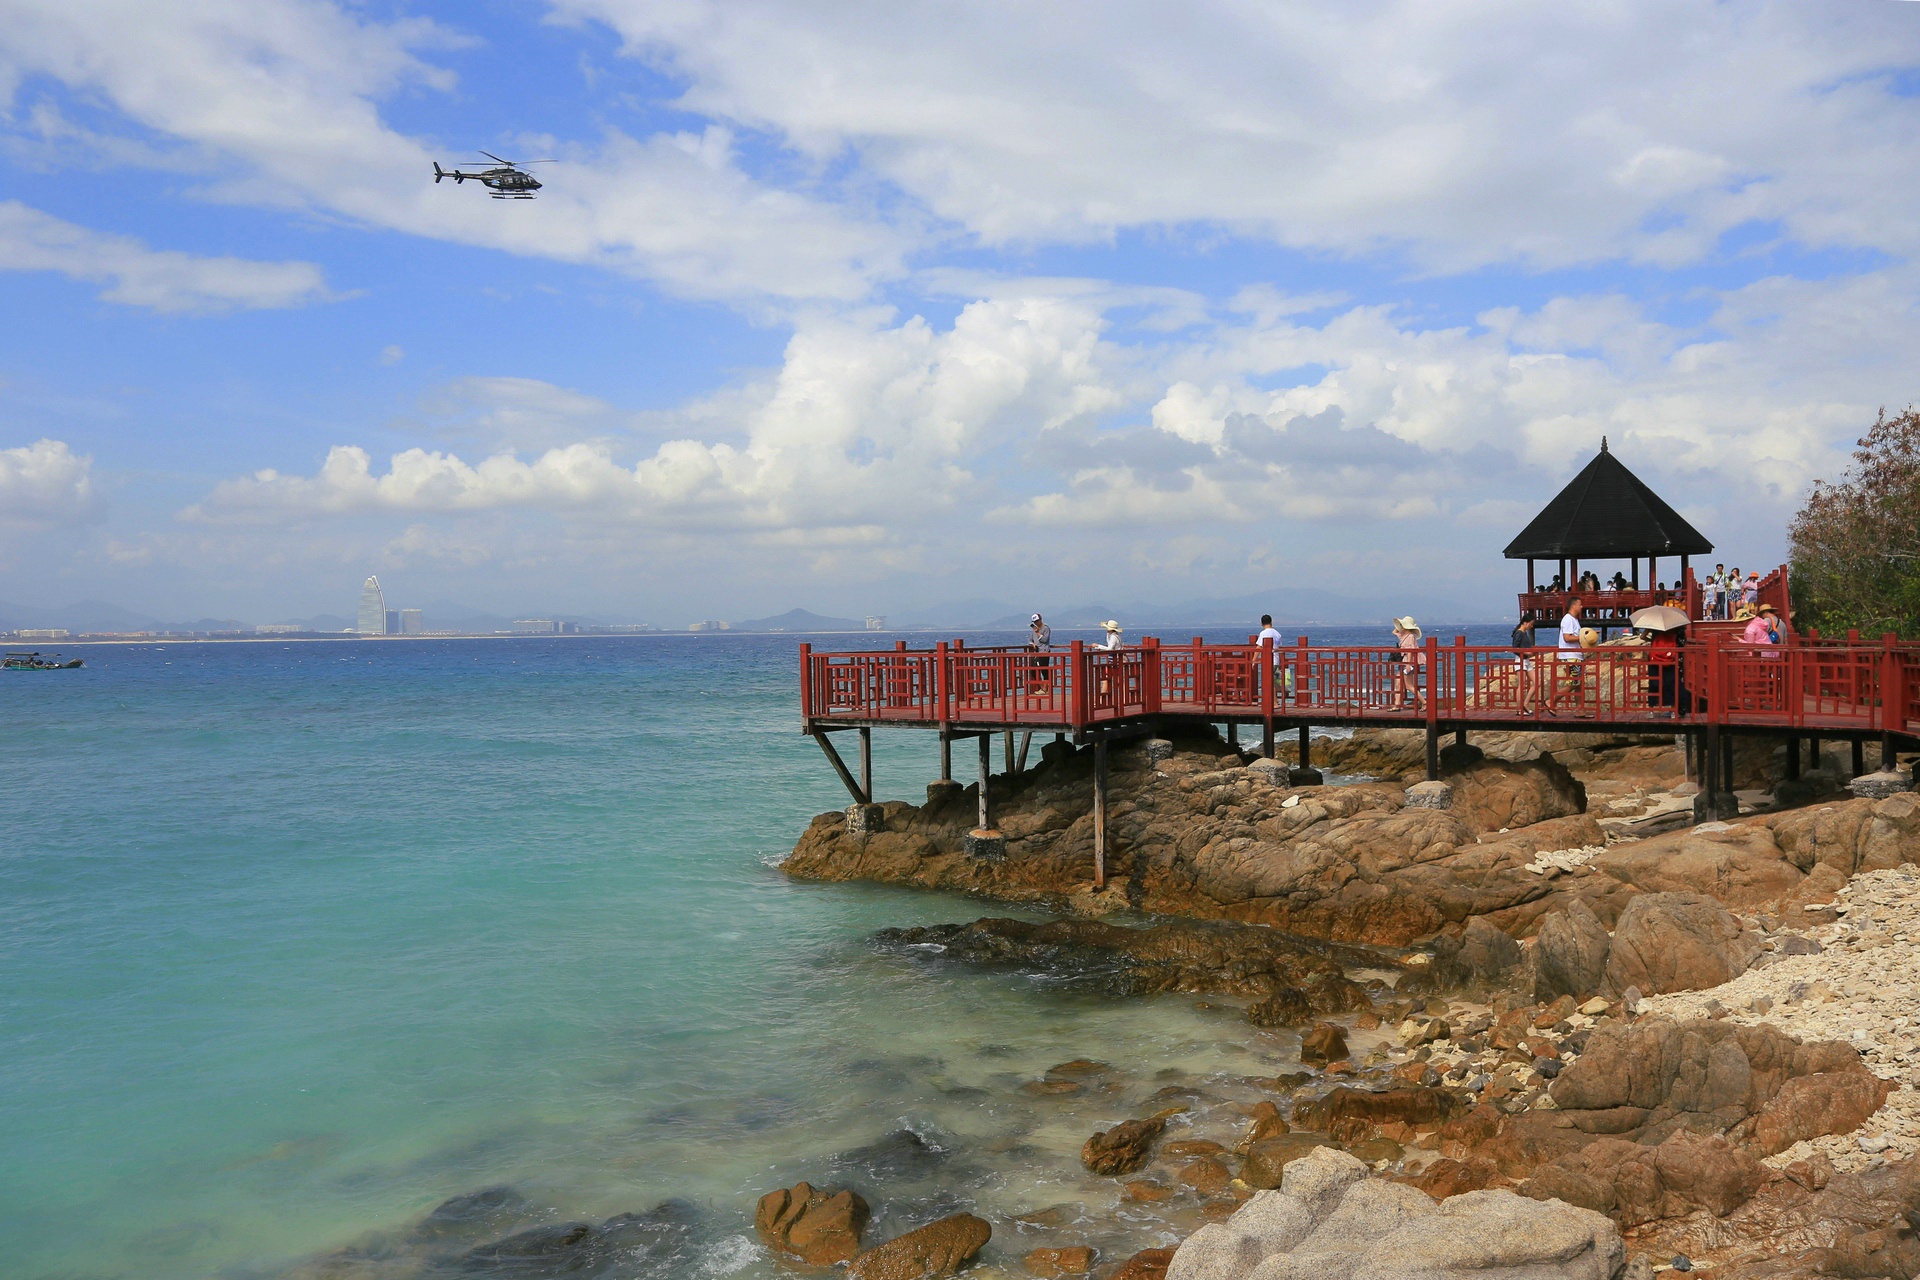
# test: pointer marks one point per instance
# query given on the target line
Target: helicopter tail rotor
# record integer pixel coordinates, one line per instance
(438, 172)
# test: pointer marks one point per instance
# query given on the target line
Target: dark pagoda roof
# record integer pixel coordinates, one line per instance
(1606, 512)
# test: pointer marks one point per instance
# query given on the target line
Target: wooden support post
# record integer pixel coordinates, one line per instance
(1813, 753)
(1100, 814)
(1433, 752)
(866, 763)
(1859, 757)
(1887, 757)
(1306, 749)
(1264, 655)
(1459, 737)
(1726, 768)
(840, 767)
(1026, 740)
(1710, 769)
(1233, 734)
(1006, 742)
(1793, 756)
(986, 765)
(946, 756)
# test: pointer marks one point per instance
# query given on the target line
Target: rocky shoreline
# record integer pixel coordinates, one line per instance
(1550, 989)
(1546, 1030)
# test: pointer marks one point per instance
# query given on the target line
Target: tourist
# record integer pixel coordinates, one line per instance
(1113, 635)
(1750, 592)
(1763, 625)
(1571, 650)
(1039, 641)
(1717, 591)
(1524, 657)
(1710, 596)
(1412, 659)
(1268, 635)
(1559, 582)
(1663, 657)
(1619, 581)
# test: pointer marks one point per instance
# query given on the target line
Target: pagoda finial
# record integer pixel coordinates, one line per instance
(1603, 444)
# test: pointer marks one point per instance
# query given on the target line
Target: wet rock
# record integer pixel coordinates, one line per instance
(1447, 1177)
(901, 1155)
(1325, 1043)
(1570, 953)
(1287, 1007)
(1206, 1175)
(1268, 1159)
(1351, 1110)
(1181, 956)
(936, 1250)
(1482, 953)
(1677, 942)
(1073, 1260)
(474, 1215)
(819, 1227)
(1148, 1264)
(1123, 1149)
(659, 1238)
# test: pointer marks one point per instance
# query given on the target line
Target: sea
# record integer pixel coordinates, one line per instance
(299, 940)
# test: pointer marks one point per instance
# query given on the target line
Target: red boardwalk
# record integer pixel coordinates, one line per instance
(1848, 689)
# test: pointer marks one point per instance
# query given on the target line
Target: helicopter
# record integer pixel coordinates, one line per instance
(508, 182)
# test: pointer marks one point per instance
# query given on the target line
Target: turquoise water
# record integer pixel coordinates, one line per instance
(301, 939)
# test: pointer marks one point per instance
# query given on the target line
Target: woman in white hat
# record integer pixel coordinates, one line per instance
(1113, 634)
(1413, 658)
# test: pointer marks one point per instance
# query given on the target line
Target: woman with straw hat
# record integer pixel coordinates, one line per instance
(1412, 659)
(1113, 634)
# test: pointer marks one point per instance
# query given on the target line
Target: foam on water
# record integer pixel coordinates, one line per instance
(303, 939)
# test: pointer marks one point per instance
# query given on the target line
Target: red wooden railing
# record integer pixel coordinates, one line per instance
(1819, 685)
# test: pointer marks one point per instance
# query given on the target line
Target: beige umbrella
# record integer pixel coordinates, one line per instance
(1660, 617)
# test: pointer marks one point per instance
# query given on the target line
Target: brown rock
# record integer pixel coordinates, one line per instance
(820, 1228)
(1266, 1158)
(1148, 1264)
(1415, 1107)
(1125, 1148)
(1051, 1088)
(1569, 953)
(1079, 1067)
(1145, 1190)
(1270, 1126)
(1492, 794)
(1809, 1106)
(1074, 1260)
(1287, 1007)
(1206, 1175)
(1446, 1177)
(936, 1250)
(1676, 942)
(1636, 1184)
(1193, 1147)
(1325, 1043)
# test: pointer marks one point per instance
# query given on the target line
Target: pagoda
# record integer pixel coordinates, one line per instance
(1606, 513)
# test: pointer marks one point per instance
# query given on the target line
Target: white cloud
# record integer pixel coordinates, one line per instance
(161, 279)
(43, 484)
(1466, 131)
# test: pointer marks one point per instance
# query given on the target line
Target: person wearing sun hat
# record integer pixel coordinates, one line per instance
(1412, 658)
(1761, 624)
(1113, 634)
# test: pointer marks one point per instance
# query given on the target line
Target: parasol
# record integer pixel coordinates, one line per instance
(1660, 617)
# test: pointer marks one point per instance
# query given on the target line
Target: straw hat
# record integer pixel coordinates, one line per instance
(1589, 637)
(1767, 608)
(1406, 624)
(1111, 625)
(1746, 613)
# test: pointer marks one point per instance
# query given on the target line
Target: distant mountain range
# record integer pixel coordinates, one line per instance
(1290, 606)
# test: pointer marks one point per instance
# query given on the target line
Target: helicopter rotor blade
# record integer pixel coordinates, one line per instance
(496, 159)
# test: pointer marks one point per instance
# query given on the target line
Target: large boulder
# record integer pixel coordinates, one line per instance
(1634, 1183)
(1676, 942)
(1570, 953)
(1658, 1076)
(1330, 1222)
(820, 1228)
(1496, 795)
(936, 1250)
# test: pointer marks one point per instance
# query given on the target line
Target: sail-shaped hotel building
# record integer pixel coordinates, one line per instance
(373, 609)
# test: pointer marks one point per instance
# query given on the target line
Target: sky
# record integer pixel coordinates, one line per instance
(878, 307)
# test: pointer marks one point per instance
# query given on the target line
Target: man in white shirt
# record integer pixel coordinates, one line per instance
(1267, 633)
(1570, 647)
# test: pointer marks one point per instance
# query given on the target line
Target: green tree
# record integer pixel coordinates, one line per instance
(1856, 543)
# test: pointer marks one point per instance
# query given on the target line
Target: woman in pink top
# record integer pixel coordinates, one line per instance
(1412, 658)
(1762, 630)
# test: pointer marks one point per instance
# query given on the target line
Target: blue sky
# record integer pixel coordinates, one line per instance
(873, 307)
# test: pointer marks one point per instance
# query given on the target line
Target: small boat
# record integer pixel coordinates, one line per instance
(21, 660)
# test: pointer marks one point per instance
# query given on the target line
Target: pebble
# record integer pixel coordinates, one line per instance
(1564, 859)
(1845, 981)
